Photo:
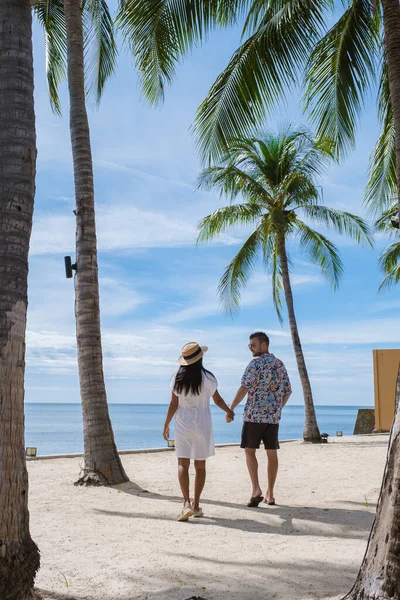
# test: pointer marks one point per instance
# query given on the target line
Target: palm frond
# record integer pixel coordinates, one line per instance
(50, 14)
(232, 181)
(227, 217)
(100, 47)
(341, 67)
(321, 251)
(236, 275)
(273, 266)
(160, 32)
(390, 263)
(382, 177)
(258, 74)
(343, 222)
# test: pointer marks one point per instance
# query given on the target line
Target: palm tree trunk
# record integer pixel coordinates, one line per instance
(102, 464)
(391, 22)
(311, 431)
(379, 576)
(19, 555)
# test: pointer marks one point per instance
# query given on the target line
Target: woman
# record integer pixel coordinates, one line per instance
(192, 387)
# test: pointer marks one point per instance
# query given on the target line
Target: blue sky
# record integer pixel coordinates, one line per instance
(158, 290)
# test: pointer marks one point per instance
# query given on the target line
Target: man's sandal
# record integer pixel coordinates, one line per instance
(255, 501)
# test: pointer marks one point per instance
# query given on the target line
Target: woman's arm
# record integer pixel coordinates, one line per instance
(173, 407)
(222, 405)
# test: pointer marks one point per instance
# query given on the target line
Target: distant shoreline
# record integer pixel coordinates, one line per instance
(167, 403)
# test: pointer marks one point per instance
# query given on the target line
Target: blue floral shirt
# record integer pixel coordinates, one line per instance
(268, 383)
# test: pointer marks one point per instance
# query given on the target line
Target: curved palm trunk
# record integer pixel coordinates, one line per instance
(391, 22)
(311, 431)
(102, 462)
(19, 555)
(379, 576)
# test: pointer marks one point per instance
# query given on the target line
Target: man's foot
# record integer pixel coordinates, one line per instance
(255, 501)
(270, 500)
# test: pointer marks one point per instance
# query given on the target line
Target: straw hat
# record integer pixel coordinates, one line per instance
(191, 353)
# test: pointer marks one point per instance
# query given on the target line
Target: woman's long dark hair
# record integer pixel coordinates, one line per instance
(189, 378)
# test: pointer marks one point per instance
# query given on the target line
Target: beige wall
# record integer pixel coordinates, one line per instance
(386, 366)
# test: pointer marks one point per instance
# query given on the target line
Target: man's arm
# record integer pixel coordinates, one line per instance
(286, 398)
(240, 394)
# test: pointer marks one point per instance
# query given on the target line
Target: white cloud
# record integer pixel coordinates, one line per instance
(119, 227)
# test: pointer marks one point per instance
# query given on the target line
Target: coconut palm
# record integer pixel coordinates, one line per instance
(19, 555)
(275, 175)
(80, 38)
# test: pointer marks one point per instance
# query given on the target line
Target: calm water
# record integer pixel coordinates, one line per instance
(57, 428)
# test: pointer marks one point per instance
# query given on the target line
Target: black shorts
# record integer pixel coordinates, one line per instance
(255, 433)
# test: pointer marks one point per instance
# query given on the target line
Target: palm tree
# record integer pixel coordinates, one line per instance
(68, 25)
(19, 556)
(275, 174)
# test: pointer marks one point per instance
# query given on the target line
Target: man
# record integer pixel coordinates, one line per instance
(267, 385)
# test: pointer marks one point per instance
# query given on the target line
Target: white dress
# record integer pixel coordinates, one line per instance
(194, 436)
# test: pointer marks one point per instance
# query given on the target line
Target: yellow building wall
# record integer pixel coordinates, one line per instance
(386, 366)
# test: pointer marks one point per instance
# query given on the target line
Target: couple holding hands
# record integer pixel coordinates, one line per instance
(267, 386)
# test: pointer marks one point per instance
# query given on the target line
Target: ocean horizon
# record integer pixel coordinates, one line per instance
(55, 428)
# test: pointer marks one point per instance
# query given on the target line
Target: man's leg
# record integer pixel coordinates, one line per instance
(200, 466)
(272, 473)
(183, 476)
(252, 465)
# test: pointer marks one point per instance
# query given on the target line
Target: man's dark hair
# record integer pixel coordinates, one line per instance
(261, 336)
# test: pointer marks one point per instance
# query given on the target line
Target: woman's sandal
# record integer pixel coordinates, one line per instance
(255, 501)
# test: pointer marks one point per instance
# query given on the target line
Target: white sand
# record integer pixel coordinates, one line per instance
(109, 544)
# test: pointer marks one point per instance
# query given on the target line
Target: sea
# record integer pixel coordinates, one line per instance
(57, 428)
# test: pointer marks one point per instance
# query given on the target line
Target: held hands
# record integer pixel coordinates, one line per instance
(230, 415)
(166, 433)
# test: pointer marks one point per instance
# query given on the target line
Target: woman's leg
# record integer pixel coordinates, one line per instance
(200, 466)
(183, 476)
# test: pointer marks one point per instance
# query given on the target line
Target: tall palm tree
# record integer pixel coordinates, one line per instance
(19, 555)
(275, 176)
(81, 37)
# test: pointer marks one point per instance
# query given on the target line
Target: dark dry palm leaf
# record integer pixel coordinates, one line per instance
(340, 69)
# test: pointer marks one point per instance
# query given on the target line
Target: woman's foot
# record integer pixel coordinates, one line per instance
(186, 513)
(197, 512)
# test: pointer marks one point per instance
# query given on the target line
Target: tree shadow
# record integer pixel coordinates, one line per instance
(233, 580)
(293, 521)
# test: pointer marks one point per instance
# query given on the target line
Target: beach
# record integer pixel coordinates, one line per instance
(126, 544)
